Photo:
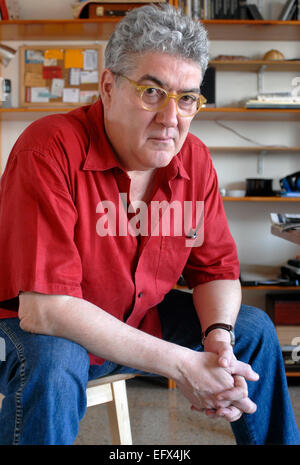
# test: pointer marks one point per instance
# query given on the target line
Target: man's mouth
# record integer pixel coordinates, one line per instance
(162, 139)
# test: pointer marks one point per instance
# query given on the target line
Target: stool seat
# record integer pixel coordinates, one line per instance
(111, 390)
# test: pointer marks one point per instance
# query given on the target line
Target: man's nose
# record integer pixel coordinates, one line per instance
(168, 114)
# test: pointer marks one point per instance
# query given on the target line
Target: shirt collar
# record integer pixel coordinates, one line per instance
(100, 155)
(106, 159)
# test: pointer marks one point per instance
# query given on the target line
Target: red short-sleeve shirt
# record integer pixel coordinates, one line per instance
(56, 237)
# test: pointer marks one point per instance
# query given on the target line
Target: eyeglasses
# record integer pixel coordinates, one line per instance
(155, 98)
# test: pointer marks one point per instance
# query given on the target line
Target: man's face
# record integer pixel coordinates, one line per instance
(145, 140)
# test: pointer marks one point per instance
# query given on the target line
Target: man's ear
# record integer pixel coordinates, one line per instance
(107, 84)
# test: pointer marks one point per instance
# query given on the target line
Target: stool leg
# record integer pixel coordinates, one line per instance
(171, 384)
(118, 413)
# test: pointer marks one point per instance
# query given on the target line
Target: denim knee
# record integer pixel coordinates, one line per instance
(255, 331)
(40, 359)
(44, 381)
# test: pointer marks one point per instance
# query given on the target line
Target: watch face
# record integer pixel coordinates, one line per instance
(232, 335)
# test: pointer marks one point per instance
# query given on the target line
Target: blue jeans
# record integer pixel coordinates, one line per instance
(44, 378)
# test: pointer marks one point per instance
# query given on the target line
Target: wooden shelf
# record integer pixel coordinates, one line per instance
(255, 65)
(61, 30)
(252, 288)
(246, 114)
(291, 236)
(261, 199)
(254, 149)
(28, 114)
(101, 29)
(228, 113)
(291, 374)
(253, 30)
(271, 288)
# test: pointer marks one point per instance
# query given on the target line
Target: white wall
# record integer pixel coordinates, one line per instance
(249, 222)
(37, 9)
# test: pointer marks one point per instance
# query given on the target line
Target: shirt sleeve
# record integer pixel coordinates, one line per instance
(38, 218)
(217, 257)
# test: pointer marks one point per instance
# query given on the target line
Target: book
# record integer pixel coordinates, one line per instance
(218, 9)
(196, 9)
(283, 311)
(234, 11)
(286, 10)
(242, 9)
(226, 9)
(283, 219)
(286, 221)
(292, 13)
(254, 12)
(280, 105)
(4, 10)
(13, 9)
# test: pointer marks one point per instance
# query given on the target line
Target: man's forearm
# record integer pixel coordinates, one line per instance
(99, 332)
(217, 302)
(198, 375)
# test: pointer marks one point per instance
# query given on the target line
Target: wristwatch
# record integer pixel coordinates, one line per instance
(224, 326)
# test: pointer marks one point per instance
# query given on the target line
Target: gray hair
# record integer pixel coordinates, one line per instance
(156, 29)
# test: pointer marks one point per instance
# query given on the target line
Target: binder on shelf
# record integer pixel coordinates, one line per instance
(219, 9)
(287, 10)
(254, 12)
(208, 86)
(284, 309)
(234, 9)
(242, 9)
(4, 10)
(13, 8)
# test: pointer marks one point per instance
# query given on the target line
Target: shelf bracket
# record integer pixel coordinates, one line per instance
(260, 161)
(260, 79)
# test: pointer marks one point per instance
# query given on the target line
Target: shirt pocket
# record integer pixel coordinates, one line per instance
(174, 254)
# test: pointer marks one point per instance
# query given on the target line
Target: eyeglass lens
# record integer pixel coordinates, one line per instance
(154, 98)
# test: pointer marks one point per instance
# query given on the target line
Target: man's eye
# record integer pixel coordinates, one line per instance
(188, 98)
(154, 92)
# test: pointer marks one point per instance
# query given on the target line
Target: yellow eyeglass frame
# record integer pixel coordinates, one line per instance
(141, 89)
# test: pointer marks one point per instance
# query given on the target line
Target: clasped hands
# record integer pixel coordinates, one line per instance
(221, 390)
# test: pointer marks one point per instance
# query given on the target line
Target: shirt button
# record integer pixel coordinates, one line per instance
(140, 295)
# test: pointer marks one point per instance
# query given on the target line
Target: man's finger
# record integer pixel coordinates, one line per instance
(244, 369)
(231, 413)
(238, 392)
(246, 405)
(226, 358)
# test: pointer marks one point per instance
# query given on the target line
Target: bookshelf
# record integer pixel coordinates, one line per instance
(246, 114)
(75, 29)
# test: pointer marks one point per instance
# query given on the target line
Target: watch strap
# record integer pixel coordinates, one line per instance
(224, 326)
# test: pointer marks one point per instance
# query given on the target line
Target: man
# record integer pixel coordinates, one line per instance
(86, 285)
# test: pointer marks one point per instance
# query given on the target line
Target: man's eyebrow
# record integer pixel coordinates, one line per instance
(149, 77)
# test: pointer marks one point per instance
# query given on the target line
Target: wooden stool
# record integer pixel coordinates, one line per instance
(111, 390)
